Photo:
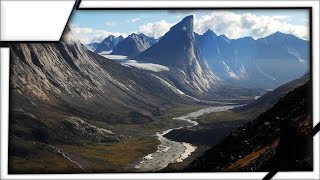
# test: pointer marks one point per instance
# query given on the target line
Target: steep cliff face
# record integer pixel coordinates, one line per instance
(280, 137)
(178, 50)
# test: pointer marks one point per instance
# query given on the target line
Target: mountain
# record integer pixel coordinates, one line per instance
(66, 99)
(255, 63)
(108, 44)
(59, 83)
(269, 99)
(178, 50)
(92, 46)
(133, 45)
(213, 127)
(279, 138)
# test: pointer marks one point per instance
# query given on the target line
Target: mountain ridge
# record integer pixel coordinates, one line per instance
(248, 62)
(108, 44)
(133, 45)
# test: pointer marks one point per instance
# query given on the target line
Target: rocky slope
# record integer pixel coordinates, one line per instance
(64, 96)
(279, 138)
(133, 45)
(63, 85)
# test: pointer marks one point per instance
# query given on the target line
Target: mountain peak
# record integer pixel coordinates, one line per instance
(209, 32)
(281, 36)
(133, 34)
(185, 25)
(278, 33)
(109, 38)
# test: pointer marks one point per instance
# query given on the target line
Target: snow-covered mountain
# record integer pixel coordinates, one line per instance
(256, 63)
(108, 44)
(133, 45)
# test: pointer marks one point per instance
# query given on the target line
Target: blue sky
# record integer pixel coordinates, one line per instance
(90, 25)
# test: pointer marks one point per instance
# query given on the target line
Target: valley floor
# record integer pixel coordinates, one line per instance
(138, 141)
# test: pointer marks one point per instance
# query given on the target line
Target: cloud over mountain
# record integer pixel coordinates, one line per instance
(89, 35)
(235, 25)
(231, 23)
(156, 29)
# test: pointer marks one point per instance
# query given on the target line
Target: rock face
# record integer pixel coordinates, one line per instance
(108, 44)
(280, 137)
(256, 63)
(133, 45)
(178, 50)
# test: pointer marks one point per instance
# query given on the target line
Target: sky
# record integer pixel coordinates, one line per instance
(95, 25)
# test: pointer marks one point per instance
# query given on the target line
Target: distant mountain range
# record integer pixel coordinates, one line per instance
(108, 44)
(266, 62)
(240, 62)
(133, 45)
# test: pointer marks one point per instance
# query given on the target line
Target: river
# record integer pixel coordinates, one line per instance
(173, 151)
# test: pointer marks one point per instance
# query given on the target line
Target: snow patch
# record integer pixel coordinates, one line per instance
(229, 71)
(174, 89)
(146, 66)
(107, 55)
(256, 97)
(262, 72)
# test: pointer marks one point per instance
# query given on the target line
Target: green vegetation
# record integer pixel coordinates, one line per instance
(112, 157)
(229, 115)
(35, 156)
(160, 123)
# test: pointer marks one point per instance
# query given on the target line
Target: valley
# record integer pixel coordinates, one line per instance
(172, 151)
(120, 156)
(137, 103)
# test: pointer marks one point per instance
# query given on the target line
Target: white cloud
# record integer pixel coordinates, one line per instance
(89, 35)
(156, 29)
(135, 20)
(221, 22)
(110, 23)
(238, 25)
